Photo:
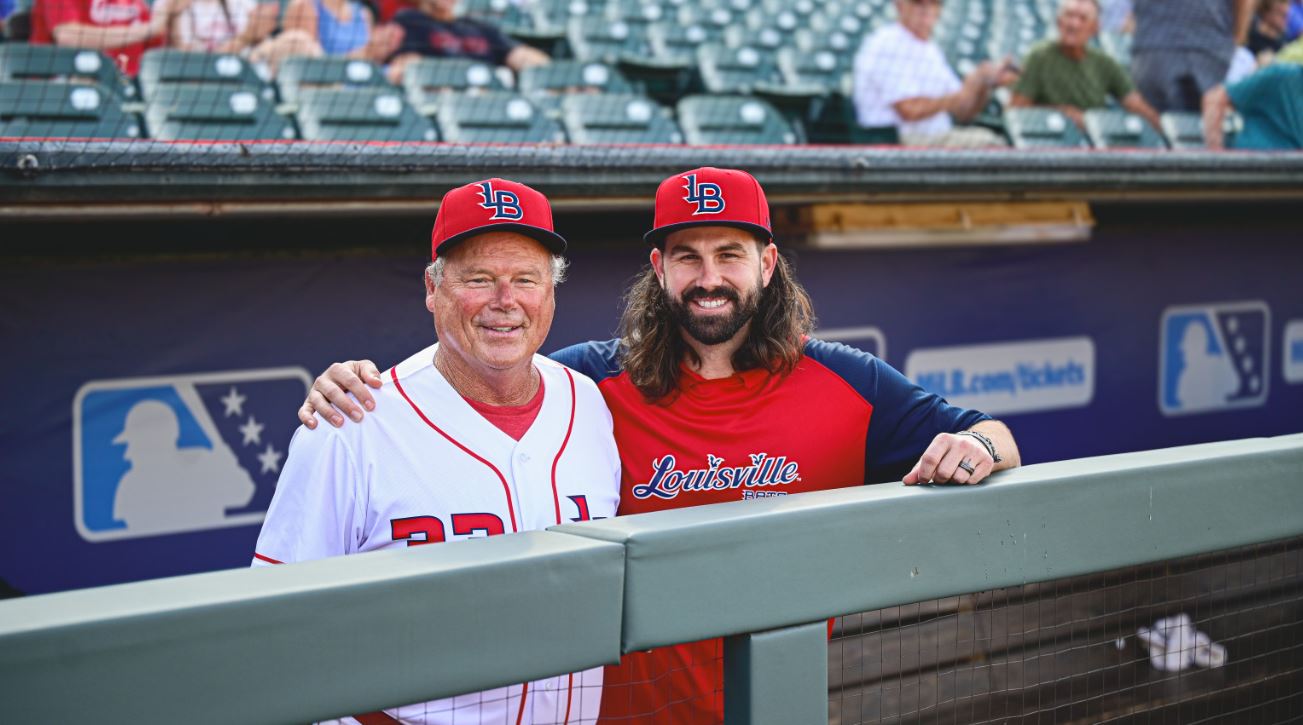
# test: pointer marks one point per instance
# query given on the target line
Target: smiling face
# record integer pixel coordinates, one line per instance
(713, 278)
(494, 306)
(919, 16)
(1078, 23)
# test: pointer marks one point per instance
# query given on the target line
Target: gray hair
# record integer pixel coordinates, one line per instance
(560, 266)
(1099, 9)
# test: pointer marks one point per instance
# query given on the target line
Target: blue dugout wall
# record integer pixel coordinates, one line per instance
(1160, 330)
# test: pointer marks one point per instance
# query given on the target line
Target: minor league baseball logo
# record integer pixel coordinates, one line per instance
(504, 204)
(708, 197)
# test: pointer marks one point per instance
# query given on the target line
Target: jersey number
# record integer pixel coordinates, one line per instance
(417, 530)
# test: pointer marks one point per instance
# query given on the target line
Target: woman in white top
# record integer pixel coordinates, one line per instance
(232, 26)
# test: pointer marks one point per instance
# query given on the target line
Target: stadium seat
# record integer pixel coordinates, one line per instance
(617, 118)
(671, 41)
(360, 114)
(21, 61)
(427, 79)
(732, 120)
(210, 112)
(598, 39)
(301, 73)
(821, 68)
(635, 12)
(42, 109)
(1184, 130)
(736, 70)
(715, 17)
(507, 15)
(164, 66)
(1042, 128)
(1114, 128)
(545, 85)
(494, 117)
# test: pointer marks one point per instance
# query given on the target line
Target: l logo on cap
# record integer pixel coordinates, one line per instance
(504, 204)
(708, 197)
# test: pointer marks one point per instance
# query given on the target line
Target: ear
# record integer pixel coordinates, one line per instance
(430, 291)
(658, 264)
(768, 262)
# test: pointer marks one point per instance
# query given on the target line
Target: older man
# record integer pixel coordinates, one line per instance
(710, 386)
(473, 436)
(902, 79)
(1073, 77)
(433, 29)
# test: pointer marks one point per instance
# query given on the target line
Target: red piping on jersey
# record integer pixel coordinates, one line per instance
(511, 510)
(520, 714)
(556, 500)
(570, 683)
(267, 559)
(375, 718)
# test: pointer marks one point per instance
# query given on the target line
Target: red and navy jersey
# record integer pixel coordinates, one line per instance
(842, 418)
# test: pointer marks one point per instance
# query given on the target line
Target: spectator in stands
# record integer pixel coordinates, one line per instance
(1270, 102)
(1183, 48)
(1116, 16)
(1294, 21)
(232, 26)
(344, 28)
(435, 30)
(902, 80)
(122, 29)
(1267, 32)
(1074, 77)
(7, 8)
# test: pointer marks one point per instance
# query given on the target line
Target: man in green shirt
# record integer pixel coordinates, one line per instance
(1073, 77)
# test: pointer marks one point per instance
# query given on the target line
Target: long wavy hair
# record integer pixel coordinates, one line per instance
(652, 341)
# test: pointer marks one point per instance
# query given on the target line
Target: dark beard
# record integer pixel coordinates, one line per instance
(714, 330)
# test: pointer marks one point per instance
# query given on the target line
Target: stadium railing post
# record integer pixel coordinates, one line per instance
(779, 676)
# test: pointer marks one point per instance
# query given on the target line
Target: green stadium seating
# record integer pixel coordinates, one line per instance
(164, 66)
(824, 69)
(736, 70)
(545, 85)
(22, 61)
(1031, 128)
(716, 17)
(495, 117)
(732, 120)
(1184, 130)
(302, 73)
(672, 41)
(360, 114)
(505, 14)
(427, 79)
(213, 112)
(42, 109)
(594, 38)
(616, 119)
(635, 12)
(1110, 128)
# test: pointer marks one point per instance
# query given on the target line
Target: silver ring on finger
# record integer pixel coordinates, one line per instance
(967, 466)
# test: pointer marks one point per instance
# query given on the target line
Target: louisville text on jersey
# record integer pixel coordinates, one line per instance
(667, 482)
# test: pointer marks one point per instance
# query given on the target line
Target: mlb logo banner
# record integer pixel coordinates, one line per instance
(1213, 357)
(1293, 345)
(181, 453)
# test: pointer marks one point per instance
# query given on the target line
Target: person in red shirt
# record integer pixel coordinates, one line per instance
(718, 393)
(121, 29)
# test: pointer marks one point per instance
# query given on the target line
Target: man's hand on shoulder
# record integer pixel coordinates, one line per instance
(329, 396)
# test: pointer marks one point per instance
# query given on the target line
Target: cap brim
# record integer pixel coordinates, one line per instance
(657, 235)
(554, 242)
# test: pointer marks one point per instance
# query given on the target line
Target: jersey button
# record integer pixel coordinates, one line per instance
(524, 458)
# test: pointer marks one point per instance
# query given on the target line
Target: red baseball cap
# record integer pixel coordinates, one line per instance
(493, 205)
(710, 197)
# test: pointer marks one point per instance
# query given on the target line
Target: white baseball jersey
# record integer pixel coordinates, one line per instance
(426, 467)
